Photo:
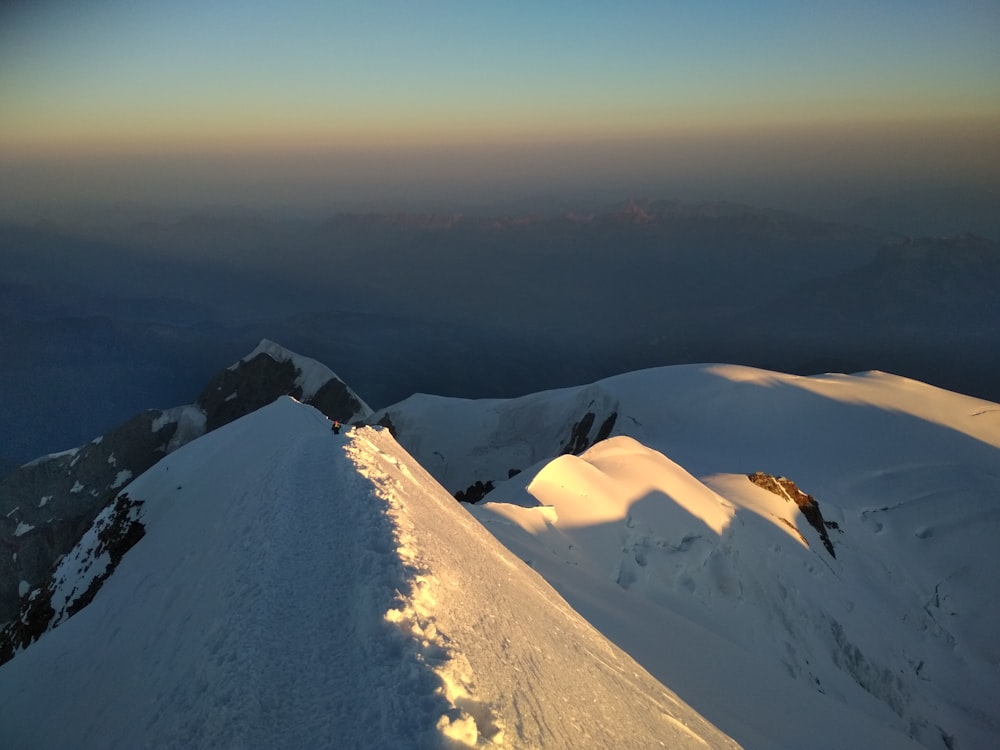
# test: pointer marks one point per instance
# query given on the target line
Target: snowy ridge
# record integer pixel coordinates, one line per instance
(300, 589)
(70, 453)
(508, 642)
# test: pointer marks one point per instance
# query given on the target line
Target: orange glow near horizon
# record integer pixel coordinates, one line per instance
(504, 98)
(166, 136)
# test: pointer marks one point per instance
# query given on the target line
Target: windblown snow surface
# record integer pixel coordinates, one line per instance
(723, 590)
(299, 589)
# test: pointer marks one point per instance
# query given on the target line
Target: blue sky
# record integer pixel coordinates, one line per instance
(121, 80)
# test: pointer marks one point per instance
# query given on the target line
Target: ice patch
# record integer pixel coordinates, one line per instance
(51, 457)
(77, 488)
(121, 478)
(190, 422)
(22, 528)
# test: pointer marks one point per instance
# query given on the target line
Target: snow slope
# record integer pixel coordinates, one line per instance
(300, 589)
(723, 590)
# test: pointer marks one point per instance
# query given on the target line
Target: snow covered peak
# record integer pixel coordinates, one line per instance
(275, 351)
(311, 375)
(270, 371)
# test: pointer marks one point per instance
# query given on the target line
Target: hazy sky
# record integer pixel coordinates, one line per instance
(304, 100)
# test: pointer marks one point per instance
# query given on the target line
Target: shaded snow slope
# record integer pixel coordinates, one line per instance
(300, 589)
(463, 441)
(658, 530)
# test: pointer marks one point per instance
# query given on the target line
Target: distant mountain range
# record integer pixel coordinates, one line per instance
(118, 316)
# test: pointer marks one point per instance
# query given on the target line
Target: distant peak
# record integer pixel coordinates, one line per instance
(252, 382)
(274, 350)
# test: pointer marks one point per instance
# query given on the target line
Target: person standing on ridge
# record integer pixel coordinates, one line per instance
(336, 427)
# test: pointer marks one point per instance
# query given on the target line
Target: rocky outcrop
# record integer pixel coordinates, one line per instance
(475, 492)
(787, 489)
(579, 438)
(337, 401)
(78, 578)
(246, 387)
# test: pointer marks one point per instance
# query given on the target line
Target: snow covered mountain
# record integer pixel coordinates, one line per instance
(867, 609)
(296, 588)
(803, 562)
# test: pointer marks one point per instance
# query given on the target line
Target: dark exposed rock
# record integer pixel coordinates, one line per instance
(35, 615)
(475, 492)
(247, 386)
(787, 489)
(116, 537)
(604, 431)
(579, 439)
(115, 531)
(386, 422)
(579, 436)
(255, 382)
(337, 401)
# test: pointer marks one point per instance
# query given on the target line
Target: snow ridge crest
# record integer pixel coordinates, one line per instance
(468, 720)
